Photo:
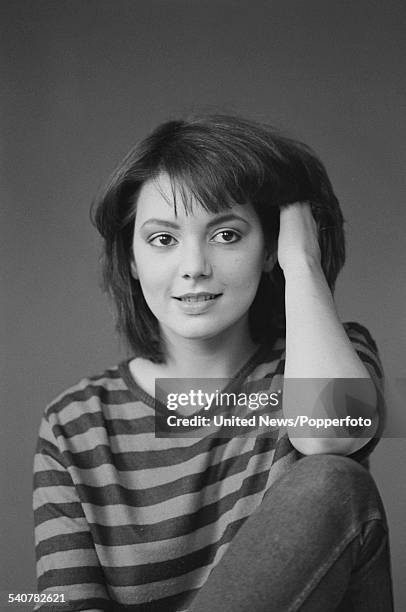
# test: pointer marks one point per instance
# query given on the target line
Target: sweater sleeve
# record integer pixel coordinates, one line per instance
(67, 563)
(367, 351)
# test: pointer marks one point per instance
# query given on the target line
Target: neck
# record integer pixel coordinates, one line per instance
(218, 357)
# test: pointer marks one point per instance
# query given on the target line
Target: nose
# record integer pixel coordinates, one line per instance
(194, 261)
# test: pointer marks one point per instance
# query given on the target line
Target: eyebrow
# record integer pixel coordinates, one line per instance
(220, 219)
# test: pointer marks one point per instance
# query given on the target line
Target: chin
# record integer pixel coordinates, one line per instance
(204, 330)
(199, 334)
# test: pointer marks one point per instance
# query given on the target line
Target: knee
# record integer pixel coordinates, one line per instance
(330, 467)
(337, 481)
(334, 471)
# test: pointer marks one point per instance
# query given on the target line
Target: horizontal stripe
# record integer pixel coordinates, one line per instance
(89, 392)
(133, 409)
(151, 552)
(113, 426)
(56, 534)
(57, 498)
(68, 558)
(178, 526)
(139, 459)
(193, 483)
(71, 576)
(161, 588)
(223, 461)
(50, 527)
(149, 573)
(49, 478)
(148, 515)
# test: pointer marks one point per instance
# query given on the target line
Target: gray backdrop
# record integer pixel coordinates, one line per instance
(82, 81)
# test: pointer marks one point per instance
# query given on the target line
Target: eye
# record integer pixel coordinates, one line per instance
(226, 237)
(162, 240)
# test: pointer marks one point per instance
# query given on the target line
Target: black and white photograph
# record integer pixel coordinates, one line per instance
(203, 254)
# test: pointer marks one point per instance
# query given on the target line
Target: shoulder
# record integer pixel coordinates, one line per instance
(367, 350)
(85, 415)
(365, 346)
(93, 402)
(269, 361)
(88, 394)
(360, 333)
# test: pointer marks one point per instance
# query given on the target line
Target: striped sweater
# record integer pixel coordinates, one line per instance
(125, 520)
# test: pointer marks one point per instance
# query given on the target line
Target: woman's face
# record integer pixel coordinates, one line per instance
(199, 272)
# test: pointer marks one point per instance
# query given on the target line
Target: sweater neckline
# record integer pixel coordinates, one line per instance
(140, 394)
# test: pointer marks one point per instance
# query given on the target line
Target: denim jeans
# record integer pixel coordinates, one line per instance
(317, 543)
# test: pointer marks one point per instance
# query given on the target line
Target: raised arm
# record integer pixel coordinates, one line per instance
(317, 346)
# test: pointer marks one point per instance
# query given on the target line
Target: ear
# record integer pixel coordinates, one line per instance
(134, 272)
(269, 261)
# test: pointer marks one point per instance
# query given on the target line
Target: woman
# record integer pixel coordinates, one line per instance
(222, 243)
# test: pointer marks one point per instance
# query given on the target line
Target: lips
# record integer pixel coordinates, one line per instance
(193, 298)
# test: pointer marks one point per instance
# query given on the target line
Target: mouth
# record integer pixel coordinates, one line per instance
(192, 298)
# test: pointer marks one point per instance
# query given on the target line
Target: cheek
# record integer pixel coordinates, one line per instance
(247, 268)
(152, 287)
(150, 272)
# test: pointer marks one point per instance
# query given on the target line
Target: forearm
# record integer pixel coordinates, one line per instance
(316, 343)
(317, 347)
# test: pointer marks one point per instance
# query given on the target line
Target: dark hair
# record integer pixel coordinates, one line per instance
(219, 161)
